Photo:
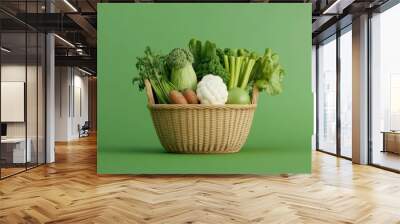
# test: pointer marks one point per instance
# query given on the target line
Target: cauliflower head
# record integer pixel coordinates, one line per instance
(212, 90)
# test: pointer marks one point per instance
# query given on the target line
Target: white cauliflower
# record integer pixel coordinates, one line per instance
(212, 90)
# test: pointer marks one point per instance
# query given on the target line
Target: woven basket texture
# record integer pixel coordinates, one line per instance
(198, 128)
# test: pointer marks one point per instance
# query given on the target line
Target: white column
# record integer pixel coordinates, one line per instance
(50, 99)
(360, 90)
(314, 91)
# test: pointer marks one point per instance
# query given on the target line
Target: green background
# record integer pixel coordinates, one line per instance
(280, 138)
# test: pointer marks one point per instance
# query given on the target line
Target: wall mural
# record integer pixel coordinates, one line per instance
(217, 88)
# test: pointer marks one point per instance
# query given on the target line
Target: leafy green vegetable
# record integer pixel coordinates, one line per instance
(152, 66)
(207, 59)
(241, 69)
(268, 73)
(180, 61)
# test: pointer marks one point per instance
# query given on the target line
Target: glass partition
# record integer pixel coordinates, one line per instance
(22, 77)
(14, 153)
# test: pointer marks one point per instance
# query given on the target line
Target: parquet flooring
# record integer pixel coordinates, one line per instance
(70, 191)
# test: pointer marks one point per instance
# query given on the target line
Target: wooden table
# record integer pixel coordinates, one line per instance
(13, 150)
(391, 141)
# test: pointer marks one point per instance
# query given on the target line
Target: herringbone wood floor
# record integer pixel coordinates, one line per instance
(69, 191)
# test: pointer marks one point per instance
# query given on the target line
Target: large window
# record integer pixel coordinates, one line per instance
(346, 92)
(334, 73)
(385, 89)
(327, 95)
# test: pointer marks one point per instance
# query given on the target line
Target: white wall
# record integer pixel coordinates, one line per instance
(71, 102)
(62, 82)
(16, 73)
(34, 126)
(80, 110)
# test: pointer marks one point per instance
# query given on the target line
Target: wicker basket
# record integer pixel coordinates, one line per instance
(199, 128)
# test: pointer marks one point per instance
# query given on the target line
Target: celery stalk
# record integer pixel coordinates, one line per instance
(232, 71)
(237, 70)
(247, 73)
(226, 62)
(243, 68)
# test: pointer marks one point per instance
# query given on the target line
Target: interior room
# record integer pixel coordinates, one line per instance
(313, 138)
(385, 90)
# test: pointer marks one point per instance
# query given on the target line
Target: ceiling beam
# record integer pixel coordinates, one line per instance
(337, 7)
(84, 61)
(86, 27)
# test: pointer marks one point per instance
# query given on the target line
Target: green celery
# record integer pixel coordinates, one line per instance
(232, 67)
(237, 71)
(226, 62)
(247, 73)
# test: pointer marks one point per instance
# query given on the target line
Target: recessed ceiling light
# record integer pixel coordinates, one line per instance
(64, 40)
(84, 71)
(5, 50)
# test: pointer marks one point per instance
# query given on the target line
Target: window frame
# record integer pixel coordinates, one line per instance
(338, 34)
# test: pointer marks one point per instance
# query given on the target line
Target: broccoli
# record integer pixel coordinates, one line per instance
(179, 58)
(207, 59)
(212, 67)
(180, 61)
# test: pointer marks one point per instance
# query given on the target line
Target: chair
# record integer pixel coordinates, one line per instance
(84, 130)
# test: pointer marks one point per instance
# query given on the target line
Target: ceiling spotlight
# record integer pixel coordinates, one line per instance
(79, 51)
(70, 5)
(65, 41)
(5, 50)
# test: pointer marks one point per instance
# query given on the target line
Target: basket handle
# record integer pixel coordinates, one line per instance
(254, 97)
(149, 92)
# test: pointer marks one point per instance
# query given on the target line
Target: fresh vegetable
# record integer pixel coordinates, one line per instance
(268, 73)
(239, 63)
(239, 70)
(190, 96)
(152, 67)
(212, 90)
(238, 96)
(206, 59)
(176, 97)
(180, 61)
